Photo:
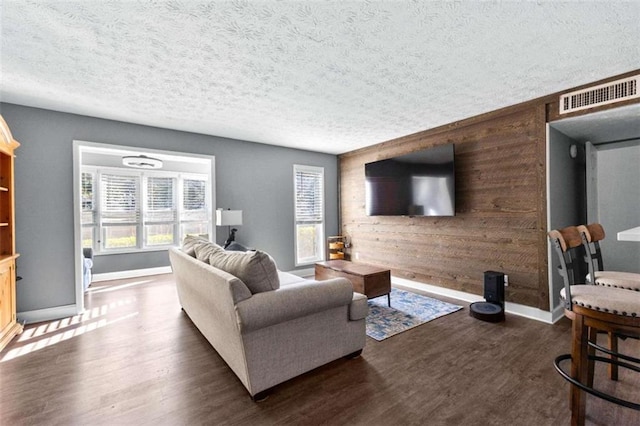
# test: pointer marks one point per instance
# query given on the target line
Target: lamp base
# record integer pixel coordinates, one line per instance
(231, 238)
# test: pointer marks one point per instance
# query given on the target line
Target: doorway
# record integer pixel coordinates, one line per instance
(131, 204)
(593, 176)
(613, 199)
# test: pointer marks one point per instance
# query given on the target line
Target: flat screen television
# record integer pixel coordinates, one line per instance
(421, 183)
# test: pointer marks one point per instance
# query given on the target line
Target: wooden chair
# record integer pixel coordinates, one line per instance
(591, 236)
(572, 269)
(592, 308)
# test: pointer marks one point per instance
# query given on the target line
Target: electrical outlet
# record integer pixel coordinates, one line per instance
(357, 255)
(506, 280)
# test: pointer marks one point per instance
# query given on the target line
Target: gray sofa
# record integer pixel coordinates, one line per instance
(274, 334)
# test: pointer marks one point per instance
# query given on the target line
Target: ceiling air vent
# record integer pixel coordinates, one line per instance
(603, 94)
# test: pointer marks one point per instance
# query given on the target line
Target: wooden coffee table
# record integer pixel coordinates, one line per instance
(368, 280)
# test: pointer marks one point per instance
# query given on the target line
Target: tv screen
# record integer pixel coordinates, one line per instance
(418, 184)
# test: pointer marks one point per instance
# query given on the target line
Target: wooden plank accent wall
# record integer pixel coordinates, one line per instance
(501, 210)
(500, 221)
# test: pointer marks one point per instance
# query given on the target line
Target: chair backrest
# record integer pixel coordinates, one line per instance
(568, 245)
(591, 236)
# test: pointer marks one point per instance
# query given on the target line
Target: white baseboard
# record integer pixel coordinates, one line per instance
(47, 314)
(557, 313)
(510, 308)
(120, 275)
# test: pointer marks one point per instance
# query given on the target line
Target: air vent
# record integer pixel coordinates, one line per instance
(603, 94)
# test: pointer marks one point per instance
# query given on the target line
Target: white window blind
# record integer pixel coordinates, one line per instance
(125, 211)
(194, 202)
(309, 190)
(88, 198)
(88, 218)
(119, 199)
(161, 211)
(161, 203)
(309, 213)
(119, 211)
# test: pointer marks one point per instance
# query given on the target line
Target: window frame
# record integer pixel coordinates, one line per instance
(320, 224)
(98, 226)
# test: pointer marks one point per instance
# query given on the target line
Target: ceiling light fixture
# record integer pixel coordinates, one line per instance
(142, 162)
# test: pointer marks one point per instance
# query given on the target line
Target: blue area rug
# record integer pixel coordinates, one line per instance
(407, 310)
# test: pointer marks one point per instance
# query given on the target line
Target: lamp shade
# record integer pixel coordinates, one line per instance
(228, 217)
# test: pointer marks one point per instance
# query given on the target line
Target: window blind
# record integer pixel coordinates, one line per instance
(88, 198)
(309, 213)
(309, 195)
(194, 201)
(134, 211)
(161, 205)
(119, 199)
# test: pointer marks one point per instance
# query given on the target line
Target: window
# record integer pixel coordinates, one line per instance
(126, 210)
(309, 213)
(119, 211)
(162, 211)
(88, 208)
(194, 213)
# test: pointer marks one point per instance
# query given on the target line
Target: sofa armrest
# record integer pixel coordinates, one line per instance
(292, 301)
(359, 307)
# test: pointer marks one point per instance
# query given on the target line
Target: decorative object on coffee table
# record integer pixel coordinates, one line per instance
(409, 310)
(335, 247)
(366, 279)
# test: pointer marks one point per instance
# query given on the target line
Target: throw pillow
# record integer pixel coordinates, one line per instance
(204, 250)
(256, 269)
(190, 242)
(237, 247)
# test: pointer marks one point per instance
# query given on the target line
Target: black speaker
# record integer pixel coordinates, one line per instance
(494, 287)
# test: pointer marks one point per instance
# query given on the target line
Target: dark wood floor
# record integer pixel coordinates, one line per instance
(135, 358)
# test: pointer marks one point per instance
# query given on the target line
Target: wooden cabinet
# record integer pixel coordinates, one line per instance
(9, 326)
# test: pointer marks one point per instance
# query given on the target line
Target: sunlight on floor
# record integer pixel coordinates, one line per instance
(105, 288)
(48, 334)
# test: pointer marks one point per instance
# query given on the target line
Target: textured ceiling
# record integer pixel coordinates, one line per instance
(329, 76)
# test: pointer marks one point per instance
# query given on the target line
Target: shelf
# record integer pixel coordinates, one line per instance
(9, 326)
(335, 248)
(5, 257)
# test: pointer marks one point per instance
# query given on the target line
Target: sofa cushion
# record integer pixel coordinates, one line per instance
(204, 250)
(256, 269)
(287, 278)
(190, 242)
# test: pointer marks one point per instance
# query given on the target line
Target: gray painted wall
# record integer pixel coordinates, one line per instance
(618, 203)
(255, 178)
(567, 194)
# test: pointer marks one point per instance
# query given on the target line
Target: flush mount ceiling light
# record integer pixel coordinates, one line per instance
(142, 162)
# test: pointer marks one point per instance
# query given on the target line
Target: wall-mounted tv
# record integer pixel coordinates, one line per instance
(421, 183)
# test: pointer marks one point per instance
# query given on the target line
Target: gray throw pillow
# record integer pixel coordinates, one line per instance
(256, 269)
